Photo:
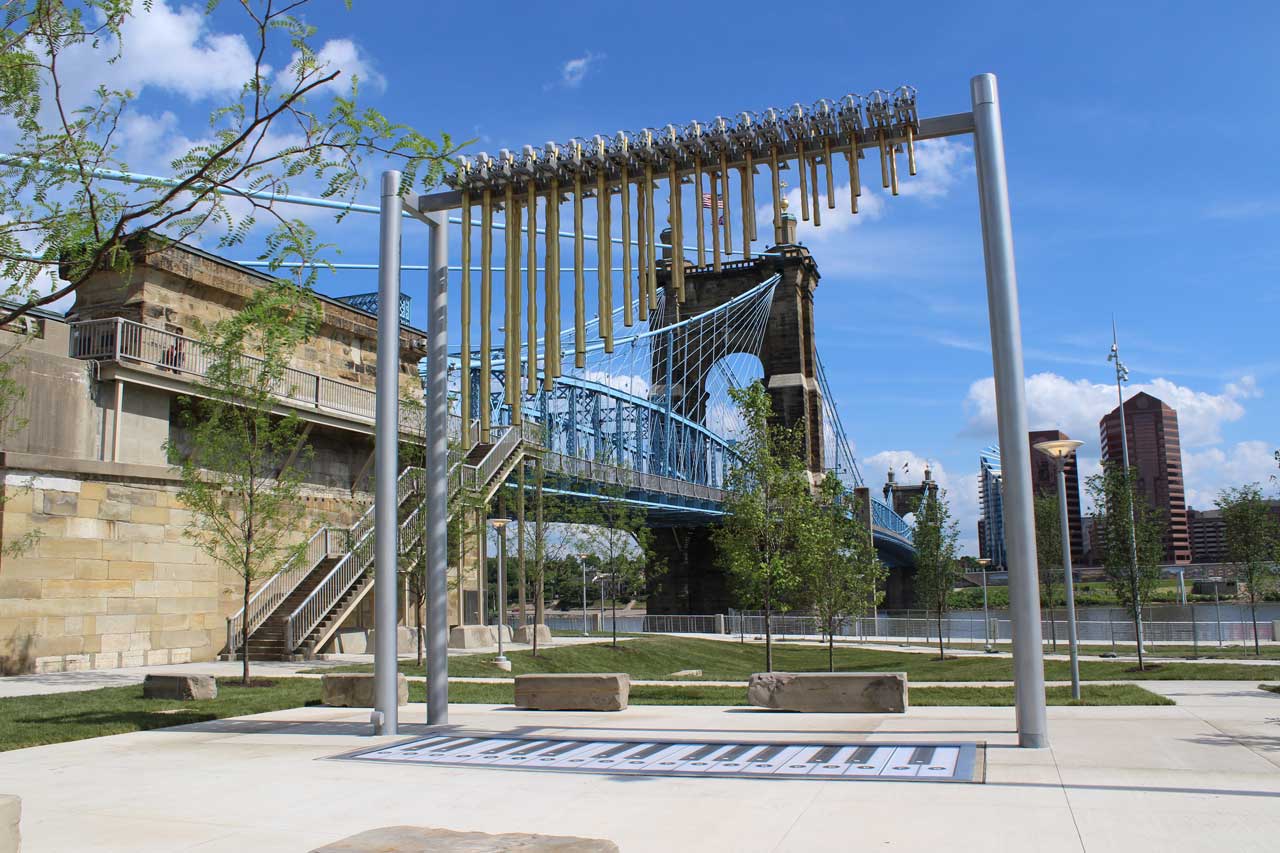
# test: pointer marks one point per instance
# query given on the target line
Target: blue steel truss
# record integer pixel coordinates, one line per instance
(369, 302)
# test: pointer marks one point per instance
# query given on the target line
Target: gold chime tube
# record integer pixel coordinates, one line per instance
(532, 292)
(831, 181)
(605, 249)
(777, 192)
(817, 202)
(513, 364)
(697, 201)
(855, 176)
(628, 319)
(602, 243)
(743, 184)
(749, 181)
(724, 199)
(642, 258)
(884, 166)
(551, 277)
(579, 286)
(803, 169)
(652, 272)
(893, 169)
(511, 297)
(486, 308)
(677, 238)
(911, 151)
(715, 222)
(464, 312)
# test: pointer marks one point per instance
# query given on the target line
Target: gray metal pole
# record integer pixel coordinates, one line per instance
(502, 587)
(1011, 413)
(585, 632)
(1072, 638)
(1121, 373)
(386, 461)
(437, 415)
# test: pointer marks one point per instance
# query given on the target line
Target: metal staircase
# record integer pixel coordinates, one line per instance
(299, 609)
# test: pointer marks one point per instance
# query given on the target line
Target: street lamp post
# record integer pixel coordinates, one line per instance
(1060, 450)
(500, 525)
(1122, 375)
(582, 561)
(985, 564)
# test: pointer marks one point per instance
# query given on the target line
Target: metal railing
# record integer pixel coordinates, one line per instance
(277, 588)
(321, 600)
(122, 340)
(883, 517)
(603, 472)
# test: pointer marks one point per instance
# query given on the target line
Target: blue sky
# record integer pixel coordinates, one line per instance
(1139, 178)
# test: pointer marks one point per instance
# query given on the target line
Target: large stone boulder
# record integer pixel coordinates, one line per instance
(526, 633)
(601, 691)
(10, 816)
(833, 692)
(388, 839)
(355, 690)
(184, 687)
(471, 637)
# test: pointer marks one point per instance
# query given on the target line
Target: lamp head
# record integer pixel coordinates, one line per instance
(499, 523)
(1058, 449)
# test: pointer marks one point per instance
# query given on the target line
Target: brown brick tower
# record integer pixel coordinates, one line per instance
(1044, 481)
(1156, 453)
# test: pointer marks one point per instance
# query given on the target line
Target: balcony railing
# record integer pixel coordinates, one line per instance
(126, 341)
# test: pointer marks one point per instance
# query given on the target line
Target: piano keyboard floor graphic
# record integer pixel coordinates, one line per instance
(918, 762)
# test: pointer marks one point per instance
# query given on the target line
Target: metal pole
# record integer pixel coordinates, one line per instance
(386, 461)
(986, 619)
(502, 587)
(1011, 412)
(1182, 585)
(1217, 612)
(1121, 374)
(437, 461)
(583, 563)
(1072, 637)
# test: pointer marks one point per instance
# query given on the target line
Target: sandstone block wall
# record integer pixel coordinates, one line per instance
(115, 579)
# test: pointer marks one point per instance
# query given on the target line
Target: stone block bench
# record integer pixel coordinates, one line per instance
(830, 692)
(605, 691)
(355, 690)
(194, 687)
(10, 818)
(526, 633)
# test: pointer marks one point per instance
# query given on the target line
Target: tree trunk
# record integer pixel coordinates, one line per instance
(1053, 625)
(1253, 613)
(942, 654)
(768, 637)
(831, 648)
(417, 619)
(1136, 613)
(244, 635)
(539, 610)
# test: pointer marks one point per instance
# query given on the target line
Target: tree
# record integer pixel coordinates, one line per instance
(842, 572)
(934, 535)
(12, 395)
(766, 494)
(1253, 537)
(291, 126)
(1049, 555)
(1121, 513)
(616, 534)
(550, 546)
(240, 463)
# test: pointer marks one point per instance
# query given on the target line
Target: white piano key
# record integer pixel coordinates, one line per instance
(671, 757)
(771, 764)
(943, 763)
(577, 758)
(610, 762)
(556, 757)
(872, 765)
(900, 763)
(708, 762)
(836, 765)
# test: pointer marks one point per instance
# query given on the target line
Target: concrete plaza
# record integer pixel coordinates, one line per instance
(1205, 773)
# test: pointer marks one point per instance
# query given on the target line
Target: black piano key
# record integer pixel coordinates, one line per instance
(862, 754)
(613, 750)
(737, 752)
(651, 749)
(923, 755)
(824, 755)
(699, 754)
(768, 753)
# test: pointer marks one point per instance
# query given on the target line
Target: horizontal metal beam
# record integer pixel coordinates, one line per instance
(956, 124)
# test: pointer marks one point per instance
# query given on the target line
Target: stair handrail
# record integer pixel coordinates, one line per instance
(512, 437)
(267, 597)
(335, 584)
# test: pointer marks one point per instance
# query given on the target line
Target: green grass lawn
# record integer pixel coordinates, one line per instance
(656, 657)
(55, 718)
(1209, 649)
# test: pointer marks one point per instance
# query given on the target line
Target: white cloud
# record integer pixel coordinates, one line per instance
(575, 70)
(342, 55)
(940, 164)
(1076, 405)
(165, 48)
(1206, 472)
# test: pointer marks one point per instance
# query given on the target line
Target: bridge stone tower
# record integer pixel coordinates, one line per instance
(690, 580)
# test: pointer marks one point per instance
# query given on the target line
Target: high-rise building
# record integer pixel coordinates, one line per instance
(990, 496)
(1208, 533)
(1156, 453)
(1044, 481)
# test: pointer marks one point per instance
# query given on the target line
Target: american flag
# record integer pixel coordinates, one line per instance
(707, 203)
